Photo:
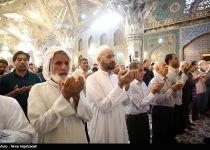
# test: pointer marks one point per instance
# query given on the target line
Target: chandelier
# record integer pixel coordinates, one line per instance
(5, 53)
(25, 44)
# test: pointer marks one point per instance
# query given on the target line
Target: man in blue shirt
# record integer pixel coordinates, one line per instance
(18, 83)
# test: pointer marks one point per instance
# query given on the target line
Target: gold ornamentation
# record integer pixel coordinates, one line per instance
(175, 7)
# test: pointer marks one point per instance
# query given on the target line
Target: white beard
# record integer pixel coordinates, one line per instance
(57, 78)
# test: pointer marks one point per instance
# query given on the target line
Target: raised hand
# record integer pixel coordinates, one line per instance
(116, 70)
(186, 68)
(21, 90)
(157, 88)
(177, 86)
(196, 79)
(127, 78)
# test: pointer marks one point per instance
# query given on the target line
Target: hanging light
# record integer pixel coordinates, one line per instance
(25, 44)
(5, 52)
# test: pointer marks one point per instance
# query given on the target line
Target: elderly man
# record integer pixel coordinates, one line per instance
(18, 83)
(203, 68)
(3, 67)
(137, 118)
(57, 107)
(14, 126)
(162, 110)
(106, 95)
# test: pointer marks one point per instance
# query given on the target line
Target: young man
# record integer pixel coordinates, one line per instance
(57, 107)
(107, 97)
(18, 83)
(137, 119)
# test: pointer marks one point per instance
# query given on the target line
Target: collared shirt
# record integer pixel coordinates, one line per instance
(107, 100)
(174, 77)
(10, 80)
(141, 98)
(166, 94)
(200, 85)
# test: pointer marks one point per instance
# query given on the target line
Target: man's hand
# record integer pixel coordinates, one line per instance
(21, 90)
(195, 80)
(186, 68)
(72, 88)
(177, 86)
(127, 78)
(116, 70)
(157, 88)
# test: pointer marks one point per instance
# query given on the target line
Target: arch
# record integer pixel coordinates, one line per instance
(159, 52)
(118, 37)
(90, 40)
(80, 45)
(103, 39)
(79, 59)
(119, 57)
(197, 45)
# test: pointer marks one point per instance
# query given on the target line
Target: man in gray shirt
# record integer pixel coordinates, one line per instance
(162, 110)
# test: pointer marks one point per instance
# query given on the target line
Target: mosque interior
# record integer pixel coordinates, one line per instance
(134, 29)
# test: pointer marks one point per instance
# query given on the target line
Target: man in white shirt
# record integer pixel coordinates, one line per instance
(137, 118)
(58, 107)
(106, 94)
(83, 71)
(173, 62)
(14, 126)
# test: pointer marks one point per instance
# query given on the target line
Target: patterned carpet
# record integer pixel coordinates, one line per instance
(195, 136)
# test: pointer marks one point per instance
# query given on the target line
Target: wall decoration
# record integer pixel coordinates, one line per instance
(189, 33)
(175, 7)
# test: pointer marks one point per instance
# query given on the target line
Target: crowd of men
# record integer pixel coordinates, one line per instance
(107, 103)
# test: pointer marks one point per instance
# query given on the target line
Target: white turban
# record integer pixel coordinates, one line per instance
(49, 54)
(101, 49)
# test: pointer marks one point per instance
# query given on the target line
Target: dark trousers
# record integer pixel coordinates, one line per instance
(86, 131)
(184, 116)
(162, 118)
(176, 123)
(138, 128)
(195, 108)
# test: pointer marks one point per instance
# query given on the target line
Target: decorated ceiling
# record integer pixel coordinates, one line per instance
(42, 20)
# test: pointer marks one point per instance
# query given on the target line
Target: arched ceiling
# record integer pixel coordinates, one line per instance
(42, 19)
(48, 19)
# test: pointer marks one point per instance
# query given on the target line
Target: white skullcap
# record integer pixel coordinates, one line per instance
(199, 63)
(101, 49)
(48, 55)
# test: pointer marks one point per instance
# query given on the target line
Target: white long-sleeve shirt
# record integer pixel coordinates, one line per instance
(141, 98)
(107, 101)
(54, 118)
(14, 126)
(174, 77)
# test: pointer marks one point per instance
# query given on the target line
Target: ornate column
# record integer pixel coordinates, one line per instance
(134, 43)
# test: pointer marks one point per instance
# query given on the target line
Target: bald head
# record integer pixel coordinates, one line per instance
(161, 68)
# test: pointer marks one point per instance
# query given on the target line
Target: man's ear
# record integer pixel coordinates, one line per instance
(99, 59)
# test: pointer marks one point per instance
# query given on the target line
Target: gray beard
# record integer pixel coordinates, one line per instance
(57, 78)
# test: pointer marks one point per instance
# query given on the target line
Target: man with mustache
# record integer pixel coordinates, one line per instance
(58, 107)
(3, 67)
(107, 95)
(18, 83)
